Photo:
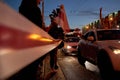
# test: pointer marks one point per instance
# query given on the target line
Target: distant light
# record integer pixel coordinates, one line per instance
(111, 19)
(87, 27)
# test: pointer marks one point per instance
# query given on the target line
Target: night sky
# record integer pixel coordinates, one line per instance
(79, 12)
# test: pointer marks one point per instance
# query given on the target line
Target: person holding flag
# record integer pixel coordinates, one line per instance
(58, 34)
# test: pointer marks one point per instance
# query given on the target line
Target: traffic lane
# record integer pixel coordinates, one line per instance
(74, 71)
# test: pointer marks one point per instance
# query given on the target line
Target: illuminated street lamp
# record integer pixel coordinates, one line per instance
(87, 27)
(110, 20)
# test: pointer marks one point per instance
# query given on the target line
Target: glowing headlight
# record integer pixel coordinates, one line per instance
(116, 51)
(68, 47)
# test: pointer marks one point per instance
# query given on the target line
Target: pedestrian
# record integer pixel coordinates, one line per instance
(54, 31)
(30, 10)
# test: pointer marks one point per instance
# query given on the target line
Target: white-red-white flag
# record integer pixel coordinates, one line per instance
(21, 42)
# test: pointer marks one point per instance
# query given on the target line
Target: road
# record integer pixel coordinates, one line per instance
(70, 69)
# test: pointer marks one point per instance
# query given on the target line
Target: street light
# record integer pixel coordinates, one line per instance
(87, 27)
(110, 21)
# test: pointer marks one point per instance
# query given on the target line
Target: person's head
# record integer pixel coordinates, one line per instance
(31, 2)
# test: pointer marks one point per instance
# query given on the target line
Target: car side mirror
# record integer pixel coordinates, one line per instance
(90, 38)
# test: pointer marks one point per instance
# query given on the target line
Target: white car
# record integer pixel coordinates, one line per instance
(70, 45)
(102, 48)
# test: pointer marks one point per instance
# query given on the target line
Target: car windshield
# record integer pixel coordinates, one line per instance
(72, 39)
(108, 35)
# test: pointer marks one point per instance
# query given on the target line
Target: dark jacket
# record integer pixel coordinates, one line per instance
(31, 11)
(55, 31)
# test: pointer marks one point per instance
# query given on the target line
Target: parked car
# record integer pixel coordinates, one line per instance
(102, 48)
(70, 44)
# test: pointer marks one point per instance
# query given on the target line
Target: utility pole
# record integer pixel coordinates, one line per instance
(101, 19)
(43, 23)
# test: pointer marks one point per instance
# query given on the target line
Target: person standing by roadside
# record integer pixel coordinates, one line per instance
(55, 32)
(30, 10)
(53, 54)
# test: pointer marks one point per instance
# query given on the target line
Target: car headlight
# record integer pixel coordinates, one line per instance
(116, 51)
(68, 47)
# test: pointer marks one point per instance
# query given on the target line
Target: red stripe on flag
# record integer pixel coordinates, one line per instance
(13, 38)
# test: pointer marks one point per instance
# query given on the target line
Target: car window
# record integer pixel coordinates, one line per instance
(108, 35)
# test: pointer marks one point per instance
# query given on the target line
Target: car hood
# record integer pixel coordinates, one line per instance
(113, 49)
(72, 43)
(111, 44)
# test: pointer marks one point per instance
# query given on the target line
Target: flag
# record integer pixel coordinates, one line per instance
(21, 42)
(62, 19)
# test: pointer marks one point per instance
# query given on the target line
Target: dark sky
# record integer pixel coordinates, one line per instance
(79, 12)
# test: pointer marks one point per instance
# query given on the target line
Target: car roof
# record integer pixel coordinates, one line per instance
(101, 30)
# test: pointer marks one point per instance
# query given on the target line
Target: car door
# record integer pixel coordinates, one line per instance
(83, 45)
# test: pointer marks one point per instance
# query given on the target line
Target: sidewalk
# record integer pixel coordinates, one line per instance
(46, 71)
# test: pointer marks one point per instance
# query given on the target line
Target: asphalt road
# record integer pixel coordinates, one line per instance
(70, 69)
(74, 71)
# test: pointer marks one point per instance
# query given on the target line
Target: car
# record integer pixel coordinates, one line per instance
(70, 44)
(101, 47)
